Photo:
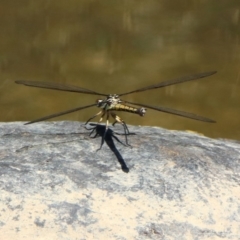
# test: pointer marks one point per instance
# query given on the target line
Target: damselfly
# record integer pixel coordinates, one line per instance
(113, 103)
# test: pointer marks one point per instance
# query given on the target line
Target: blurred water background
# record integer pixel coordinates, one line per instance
(117, 46)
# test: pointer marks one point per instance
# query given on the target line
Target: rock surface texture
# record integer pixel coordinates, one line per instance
(169, 185)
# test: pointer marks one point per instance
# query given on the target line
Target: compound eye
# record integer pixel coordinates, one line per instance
(99, 102)
(142, 111)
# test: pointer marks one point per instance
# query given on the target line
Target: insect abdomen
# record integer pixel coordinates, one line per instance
(126, 108)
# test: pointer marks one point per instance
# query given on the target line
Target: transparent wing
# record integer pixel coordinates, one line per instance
(171, 82)
(58, 86)
(175, 112)
(60, 114)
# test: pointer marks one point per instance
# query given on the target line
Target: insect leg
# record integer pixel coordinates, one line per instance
(94, 117)
(119, 120)
(106, 129)
(92, 129)
(98, 122)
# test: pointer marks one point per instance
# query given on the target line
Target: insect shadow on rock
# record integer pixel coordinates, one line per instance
(99, 130)
(112, 102)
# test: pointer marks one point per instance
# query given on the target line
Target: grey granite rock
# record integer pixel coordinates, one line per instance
(55, 185)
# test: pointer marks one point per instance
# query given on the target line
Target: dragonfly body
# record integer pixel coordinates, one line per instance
(112, 102)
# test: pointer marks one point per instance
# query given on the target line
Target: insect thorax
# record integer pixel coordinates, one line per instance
(109, 103)
(114, 103)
